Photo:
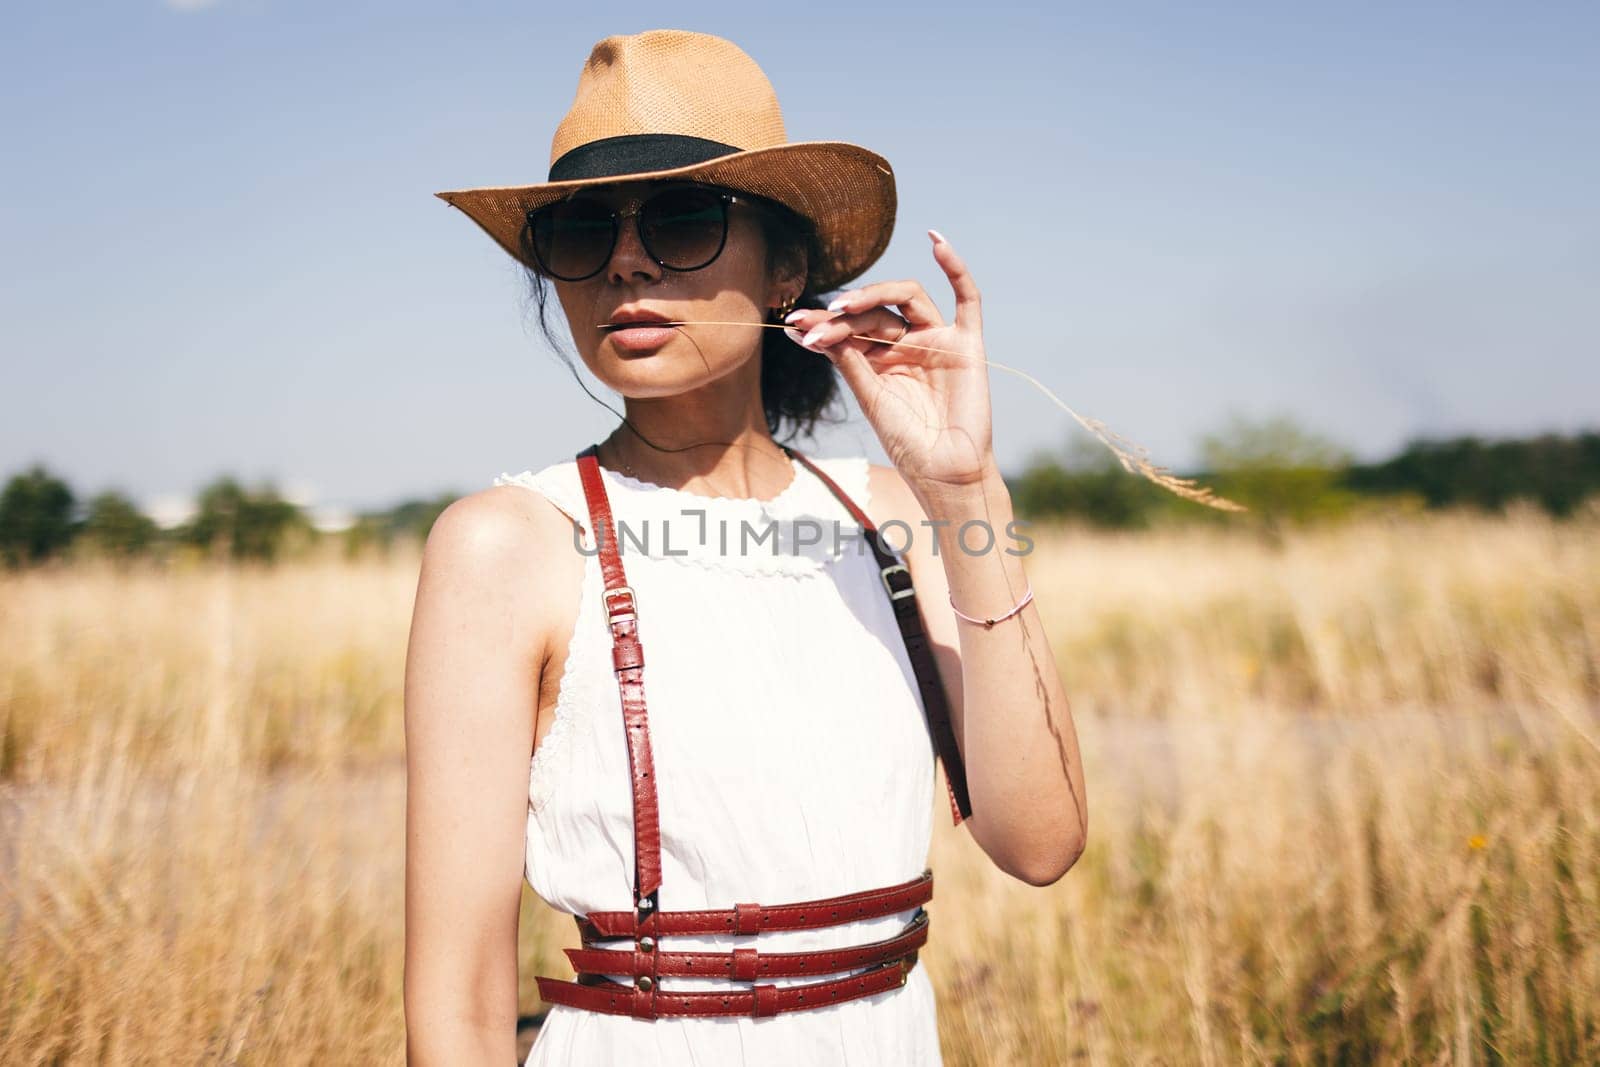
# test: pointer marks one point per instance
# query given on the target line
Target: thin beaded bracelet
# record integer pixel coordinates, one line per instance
(989, 623)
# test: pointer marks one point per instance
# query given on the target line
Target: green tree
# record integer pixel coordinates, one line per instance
(116, 526)
(244, 524)
(35, 517)
(1085, 481)
(1558, 471)
(1277, 469)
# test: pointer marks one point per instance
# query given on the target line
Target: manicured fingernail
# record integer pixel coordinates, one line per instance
(795, 314)
(840, 301)
(810, 339)
(938, 238)
(794, 335)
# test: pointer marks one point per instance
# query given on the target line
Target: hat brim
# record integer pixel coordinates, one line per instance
(847, 192)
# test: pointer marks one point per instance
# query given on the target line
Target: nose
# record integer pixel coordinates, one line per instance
(629, 261)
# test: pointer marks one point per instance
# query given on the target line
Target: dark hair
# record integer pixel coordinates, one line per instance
(798, 387)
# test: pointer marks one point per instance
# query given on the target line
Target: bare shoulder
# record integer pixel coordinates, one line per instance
(510, 547)
(500, 520)
(503, 530)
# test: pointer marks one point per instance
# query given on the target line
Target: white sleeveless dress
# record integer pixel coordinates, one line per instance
(792, 759)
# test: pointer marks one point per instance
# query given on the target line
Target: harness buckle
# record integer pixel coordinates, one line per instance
(629, 612)
(897, 594)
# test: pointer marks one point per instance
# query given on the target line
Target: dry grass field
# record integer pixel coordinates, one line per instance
(1344, 796)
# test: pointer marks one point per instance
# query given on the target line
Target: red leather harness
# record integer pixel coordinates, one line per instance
(889, 960)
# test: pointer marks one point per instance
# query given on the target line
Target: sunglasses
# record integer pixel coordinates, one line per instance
(681, 228)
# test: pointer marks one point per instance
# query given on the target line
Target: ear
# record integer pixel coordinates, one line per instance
(788, 278)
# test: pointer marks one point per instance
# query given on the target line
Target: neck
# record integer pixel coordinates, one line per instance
(687, 445)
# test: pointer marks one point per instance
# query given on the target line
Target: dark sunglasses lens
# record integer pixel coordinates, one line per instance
(573, 238)
(684, 228)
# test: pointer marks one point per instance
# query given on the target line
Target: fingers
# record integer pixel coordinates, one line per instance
(913, 300)
(969, 312)
(818, 330)
(864, 311)
(909, 296)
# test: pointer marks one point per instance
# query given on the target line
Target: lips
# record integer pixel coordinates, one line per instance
(624, 320)
(639, 331)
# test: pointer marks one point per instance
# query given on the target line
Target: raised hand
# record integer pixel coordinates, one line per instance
(929, 408)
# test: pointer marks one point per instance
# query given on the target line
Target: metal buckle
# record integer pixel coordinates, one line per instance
(605, 598)
(896, 594)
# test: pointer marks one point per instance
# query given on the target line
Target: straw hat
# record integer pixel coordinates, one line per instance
(677, 104)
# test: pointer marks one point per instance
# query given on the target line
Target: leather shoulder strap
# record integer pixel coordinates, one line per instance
(627, 657)
(903, 599)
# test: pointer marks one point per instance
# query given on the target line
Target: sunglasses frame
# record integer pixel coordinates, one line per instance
(724, 197)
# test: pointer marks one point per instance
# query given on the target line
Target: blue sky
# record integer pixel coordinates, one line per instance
(223, 254)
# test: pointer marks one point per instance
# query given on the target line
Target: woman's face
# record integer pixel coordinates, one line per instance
(734, 288)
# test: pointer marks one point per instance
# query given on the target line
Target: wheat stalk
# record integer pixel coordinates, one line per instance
(1135, 458)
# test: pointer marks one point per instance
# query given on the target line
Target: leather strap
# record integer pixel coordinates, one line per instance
(800, 915)
(903, 599)
(895, 957)
(748, 964)
(614, 998)
(627, 657)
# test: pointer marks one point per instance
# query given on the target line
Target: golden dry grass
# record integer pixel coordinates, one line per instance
(1344, 795)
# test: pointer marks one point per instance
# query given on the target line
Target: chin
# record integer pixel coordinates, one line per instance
(667, 371)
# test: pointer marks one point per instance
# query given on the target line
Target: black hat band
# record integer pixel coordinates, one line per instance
(635, 153)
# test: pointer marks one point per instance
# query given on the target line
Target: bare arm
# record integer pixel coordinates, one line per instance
(472, 674)
(1010, 712)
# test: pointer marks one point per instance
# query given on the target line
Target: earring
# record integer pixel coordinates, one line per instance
(784, 308)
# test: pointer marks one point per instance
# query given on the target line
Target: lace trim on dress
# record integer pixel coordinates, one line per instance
(797, 533)
(668, 493)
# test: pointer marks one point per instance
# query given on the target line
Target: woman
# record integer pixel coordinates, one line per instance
(740, 829)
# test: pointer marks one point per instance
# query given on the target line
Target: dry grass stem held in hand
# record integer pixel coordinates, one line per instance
(1134, 458)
